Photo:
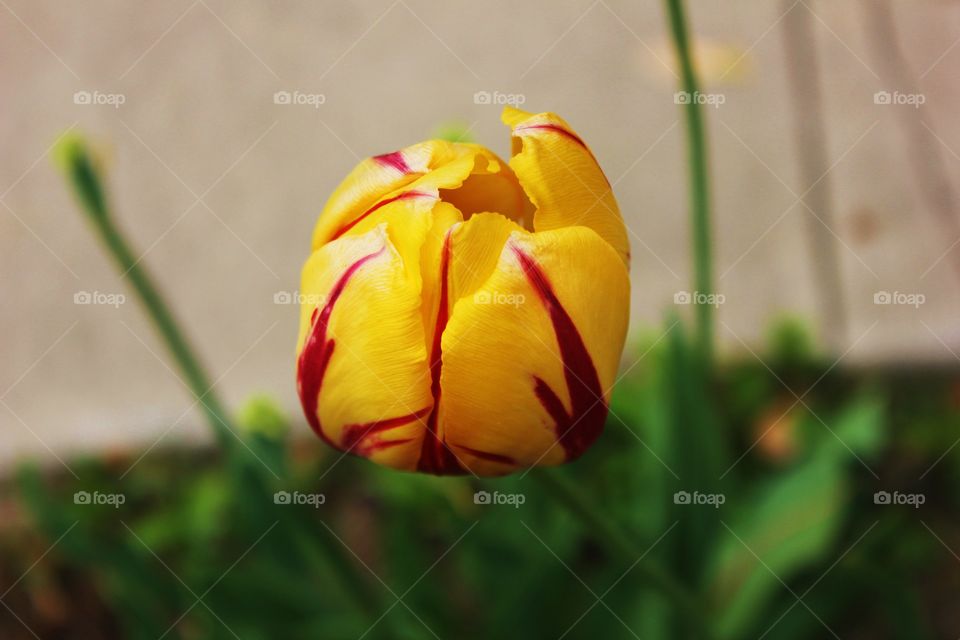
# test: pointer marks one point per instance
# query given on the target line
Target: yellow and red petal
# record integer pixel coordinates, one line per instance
(455, 254)
(362, 367)
(432, 254)
(371, 181)
(562, 178)
(463, 314)
(467, 175)
(528, 360)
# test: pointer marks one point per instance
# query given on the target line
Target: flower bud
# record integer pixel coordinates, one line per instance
(463, 314)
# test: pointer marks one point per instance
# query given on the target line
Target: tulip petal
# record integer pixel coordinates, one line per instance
(465, 250)
(562, 178)
(477, 246)
(432, 255)
(530, 356)
(362, 368)
(463, 314)
(491, 186)
(371, 181)
(434, 168)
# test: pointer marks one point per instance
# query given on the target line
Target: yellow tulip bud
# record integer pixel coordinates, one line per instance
(465, 315)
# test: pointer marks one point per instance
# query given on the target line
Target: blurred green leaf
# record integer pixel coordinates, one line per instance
(860, 429)
(790, 521)
(698, 455)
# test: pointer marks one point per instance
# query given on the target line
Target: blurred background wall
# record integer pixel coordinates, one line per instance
(219, 182)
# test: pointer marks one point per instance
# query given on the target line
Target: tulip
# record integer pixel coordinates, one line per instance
(465, 315)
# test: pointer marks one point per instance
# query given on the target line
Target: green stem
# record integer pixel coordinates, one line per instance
(76, 161)
(87, 187)
(620, 543)
(699, 180)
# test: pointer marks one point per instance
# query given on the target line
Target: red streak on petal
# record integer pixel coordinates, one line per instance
(552, 127)
(395, 160)
(359, 438)
(406, 195)
(567, 134)
(318, 349)
(577, 430)
(550, 401)
(435, 456)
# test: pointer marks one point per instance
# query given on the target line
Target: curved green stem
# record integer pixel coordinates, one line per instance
(620, 543)
(76, 162)
(699, 179)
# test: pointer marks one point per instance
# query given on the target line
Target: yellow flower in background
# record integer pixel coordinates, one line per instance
(465, 315)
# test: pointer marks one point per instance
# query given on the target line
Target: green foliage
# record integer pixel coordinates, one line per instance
(784, 525)
(196, 525)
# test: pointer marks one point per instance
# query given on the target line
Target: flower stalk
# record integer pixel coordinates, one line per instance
(81, 171)
(699, 178)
